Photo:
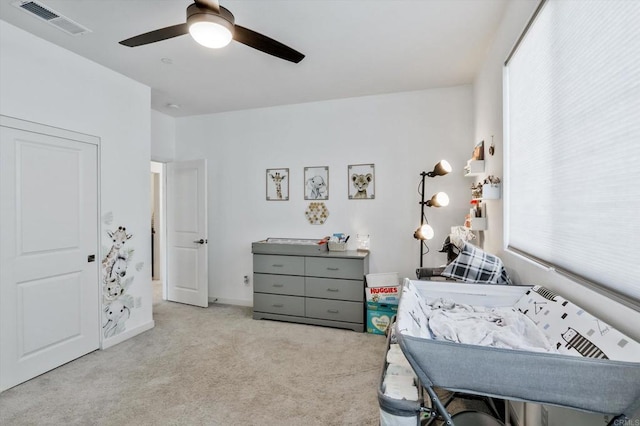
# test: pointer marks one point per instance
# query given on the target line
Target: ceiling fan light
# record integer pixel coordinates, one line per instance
(210, 34)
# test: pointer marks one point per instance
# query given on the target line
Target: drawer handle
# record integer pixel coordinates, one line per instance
(334, 290)
(277, 265)
(278, 305)
(333, 311)
(333, 269)
(278, 285)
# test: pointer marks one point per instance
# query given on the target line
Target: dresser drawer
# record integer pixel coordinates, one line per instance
(278, 284)
(329, 288)
(277, 304)
(337, 310)
(273, 264)
(334, 268)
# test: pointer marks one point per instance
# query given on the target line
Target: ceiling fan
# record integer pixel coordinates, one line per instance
(214, 26)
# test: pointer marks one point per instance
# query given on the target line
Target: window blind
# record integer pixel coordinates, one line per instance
(572, 128)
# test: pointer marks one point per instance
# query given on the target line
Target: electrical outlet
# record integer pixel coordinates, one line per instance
(246, 279)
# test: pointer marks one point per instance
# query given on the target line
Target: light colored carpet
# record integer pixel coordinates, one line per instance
(214, 366)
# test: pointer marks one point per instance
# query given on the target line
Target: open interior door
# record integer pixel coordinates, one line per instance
(187, 254)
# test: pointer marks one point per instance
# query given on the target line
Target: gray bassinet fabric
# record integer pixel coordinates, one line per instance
(596, 385)
(602, 386)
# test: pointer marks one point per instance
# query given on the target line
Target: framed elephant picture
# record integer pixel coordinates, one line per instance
(362, 184)
(316, 183)
(277, 184)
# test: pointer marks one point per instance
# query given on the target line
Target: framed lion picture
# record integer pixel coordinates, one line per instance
(362, 182)
(316, 183)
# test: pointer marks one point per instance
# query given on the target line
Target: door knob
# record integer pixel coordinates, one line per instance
(200, 241)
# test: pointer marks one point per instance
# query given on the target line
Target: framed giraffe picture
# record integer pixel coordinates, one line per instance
(277, 184)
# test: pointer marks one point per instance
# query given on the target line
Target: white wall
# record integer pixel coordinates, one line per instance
(402, 134)
(163, 133)
(488, 121)
(44, 83)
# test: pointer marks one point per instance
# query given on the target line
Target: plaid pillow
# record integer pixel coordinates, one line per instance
(477, 266)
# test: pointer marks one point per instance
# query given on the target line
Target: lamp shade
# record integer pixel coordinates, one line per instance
(210, 30)
(424, 232)
(440, 169)
(440, 199)
(210, 34)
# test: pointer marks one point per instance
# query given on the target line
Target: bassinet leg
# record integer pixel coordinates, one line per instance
(440, 408)
(507, 417)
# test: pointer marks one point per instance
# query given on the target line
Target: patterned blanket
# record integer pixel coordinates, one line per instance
(477, 266)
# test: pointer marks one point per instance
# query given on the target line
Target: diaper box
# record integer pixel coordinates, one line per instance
(388, 295)
(383, 288)
(379, 316)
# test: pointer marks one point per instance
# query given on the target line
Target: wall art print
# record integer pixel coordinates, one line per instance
(316, 213)
(478, 151)
(316, 183)
(277, 184)
(361, 182)
(117, 279)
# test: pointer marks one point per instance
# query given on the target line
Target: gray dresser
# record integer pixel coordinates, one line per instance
(322, 288)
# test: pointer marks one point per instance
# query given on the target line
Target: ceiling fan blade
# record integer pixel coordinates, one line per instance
(266, 44)
(157, 35)
(209, 4)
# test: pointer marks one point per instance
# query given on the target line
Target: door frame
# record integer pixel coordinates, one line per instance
(34, 127)
(160, 167)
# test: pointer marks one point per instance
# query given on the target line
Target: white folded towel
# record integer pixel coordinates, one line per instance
(395, 356)
(410, 393)
(399, 370)
(398, 381)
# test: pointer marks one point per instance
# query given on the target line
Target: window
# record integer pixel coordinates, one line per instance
(572, 125)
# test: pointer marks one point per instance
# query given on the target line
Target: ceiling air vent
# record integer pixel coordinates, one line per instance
(47, 14)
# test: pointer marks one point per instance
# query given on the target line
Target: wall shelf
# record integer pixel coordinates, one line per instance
(478, 224)
(491, 191)
(474, 168)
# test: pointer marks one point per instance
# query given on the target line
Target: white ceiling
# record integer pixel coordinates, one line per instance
(352, 47)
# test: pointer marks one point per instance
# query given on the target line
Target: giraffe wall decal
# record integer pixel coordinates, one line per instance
(119, 238)
(117, 303)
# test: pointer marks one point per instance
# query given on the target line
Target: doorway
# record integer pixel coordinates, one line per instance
(179, 232)
(158, 256)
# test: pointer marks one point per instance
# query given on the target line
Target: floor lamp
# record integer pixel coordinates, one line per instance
(440, 199)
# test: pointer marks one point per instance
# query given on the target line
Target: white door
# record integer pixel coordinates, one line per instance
(49, 292)
(187, 254)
